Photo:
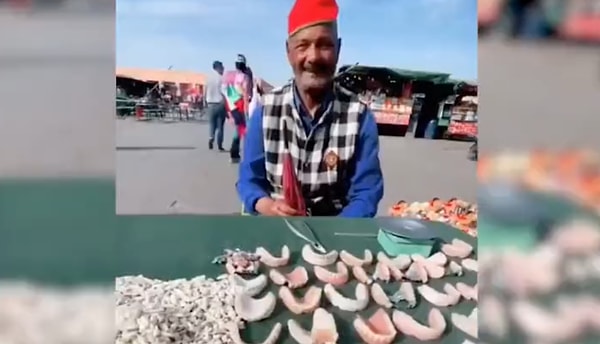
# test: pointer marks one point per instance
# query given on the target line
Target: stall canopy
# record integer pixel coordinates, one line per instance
(167, 76)
(174, 77)
(134, 87)
(463, 87)
(397, 73)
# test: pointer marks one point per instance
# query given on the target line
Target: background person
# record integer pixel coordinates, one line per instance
(215, 106)
(248, 71)
(236, 87)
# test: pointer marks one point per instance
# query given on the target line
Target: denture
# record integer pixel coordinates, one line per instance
(305, 304)
(294, 279)
(272, 261)
(377, 329)
(314, 258)
(336, 278)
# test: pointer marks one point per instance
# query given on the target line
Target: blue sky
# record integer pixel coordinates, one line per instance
(430, 35)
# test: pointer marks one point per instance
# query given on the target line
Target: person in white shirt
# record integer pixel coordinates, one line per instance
(214, 102)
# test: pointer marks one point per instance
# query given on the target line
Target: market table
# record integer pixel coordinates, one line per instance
(65, 232)
(498, 235)
(183, 246)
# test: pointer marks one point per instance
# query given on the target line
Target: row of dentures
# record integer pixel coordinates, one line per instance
(403, 267)
(311, 299)
(379, 328)
(415, 268)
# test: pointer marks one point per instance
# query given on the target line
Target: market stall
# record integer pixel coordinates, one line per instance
(464, 118)
(390, 92)
(387, 94)
(133, 87)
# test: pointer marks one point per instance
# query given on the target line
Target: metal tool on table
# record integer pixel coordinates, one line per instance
(406, 228)
(404, 236)
(358, 235)
(310, 236)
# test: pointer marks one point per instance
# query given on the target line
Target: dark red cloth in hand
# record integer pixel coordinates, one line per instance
(292, 192)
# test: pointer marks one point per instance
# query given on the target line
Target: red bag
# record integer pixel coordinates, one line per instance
(292, 192)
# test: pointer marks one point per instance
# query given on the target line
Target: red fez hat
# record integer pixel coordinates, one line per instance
(306, 13)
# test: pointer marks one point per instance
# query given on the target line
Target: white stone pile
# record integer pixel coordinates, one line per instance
(40, 315)
(178, 311)
(147, 311)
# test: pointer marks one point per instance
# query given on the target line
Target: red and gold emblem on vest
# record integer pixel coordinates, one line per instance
(331, 160)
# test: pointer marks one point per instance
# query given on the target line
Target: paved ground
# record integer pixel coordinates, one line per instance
(538, 94)
(57, 95)
(180, 167)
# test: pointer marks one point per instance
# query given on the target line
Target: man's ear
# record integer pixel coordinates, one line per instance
(287, 51)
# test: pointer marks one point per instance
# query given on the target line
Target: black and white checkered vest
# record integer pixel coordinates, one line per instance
(337, 131)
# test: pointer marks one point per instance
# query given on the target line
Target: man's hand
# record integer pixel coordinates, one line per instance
(270, 207)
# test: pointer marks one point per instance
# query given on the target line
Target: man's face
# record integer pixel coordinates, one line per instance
(313, 54)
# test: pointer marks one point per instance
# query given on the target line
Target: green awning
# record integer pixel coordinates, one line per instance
(436, 78)
(464, 82)
(401, 74)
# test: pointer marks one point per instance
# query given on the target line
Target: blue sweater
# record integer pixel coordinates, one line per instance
(366, 184)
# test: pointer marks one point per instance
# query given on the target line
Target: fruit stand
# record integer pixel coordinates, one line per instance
(393, 111)
(464, 119)
(389, 92)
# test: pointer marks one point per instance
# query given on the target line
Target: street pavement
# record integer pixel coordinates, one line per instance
(57, 95)
(538, 94)
(167, 168)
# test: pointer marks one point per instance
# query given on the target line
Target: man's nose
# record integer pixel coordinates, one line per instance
(312, 53)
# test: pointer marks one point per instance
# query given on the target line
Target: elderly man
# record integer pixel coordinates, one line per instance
(330, 135)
